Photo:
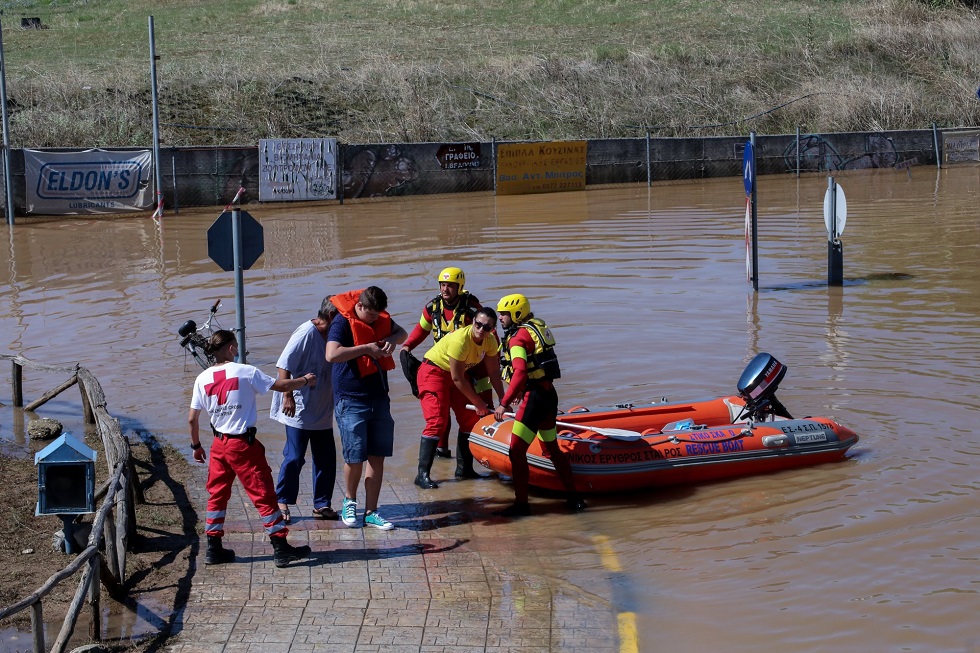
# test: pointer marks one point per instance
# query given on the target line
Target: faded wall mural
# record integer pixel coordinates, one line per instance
(818, 154)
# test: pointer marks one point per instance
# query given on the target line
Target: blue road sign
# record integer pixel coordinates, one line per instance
(748, 168)
(221, 247)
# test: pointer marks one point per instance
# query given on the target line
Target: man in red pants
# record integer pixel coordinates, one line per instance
(227, 391)
(452, 309)
(444, 385)
(531, 366)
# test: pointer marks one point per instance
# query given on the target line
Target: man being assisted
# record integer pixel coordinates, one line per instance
(444, 384)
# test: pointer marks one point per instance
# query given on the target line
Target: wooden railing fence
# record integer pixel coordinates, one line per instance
(115, 522)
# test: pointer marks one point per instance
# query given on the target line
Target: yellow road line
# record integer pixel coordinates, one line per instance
(629, 641)
(606, 553)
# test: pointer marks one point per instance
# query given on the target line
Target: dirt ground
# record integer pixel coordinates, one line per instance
(158, 564)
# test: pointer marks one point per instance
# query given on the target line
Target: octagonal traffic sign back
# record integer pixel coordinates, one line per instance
(221, 247)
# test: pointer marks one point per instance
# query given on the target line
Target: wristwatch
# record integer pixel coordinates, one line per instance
(195, 447)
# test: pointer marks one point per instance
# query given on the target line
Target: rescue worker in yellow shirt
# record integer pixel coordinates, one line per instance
(444, 385)
(448, 311)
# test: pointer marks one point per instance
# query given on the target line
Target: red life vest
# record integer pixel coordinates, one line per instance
(364, 333)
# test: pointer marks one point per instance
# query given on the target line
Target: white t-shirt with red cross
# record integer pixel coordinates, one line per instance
(227, 392)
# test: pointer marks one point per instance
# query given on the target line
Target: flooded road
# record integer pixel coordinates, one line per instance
(646, 292)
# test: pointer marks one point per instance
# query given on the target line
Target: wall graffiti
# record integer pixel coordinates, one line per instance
(818, 154)
(377, 172)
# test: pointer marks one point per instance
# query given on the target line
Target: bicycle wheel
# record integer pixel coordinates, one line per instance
(197, 346)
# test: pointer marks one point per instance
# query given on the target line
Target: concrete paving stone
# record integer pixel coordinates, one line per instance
(328, 635)
(394, 618)
(208, 633)
(337, 617)
(399, 590)
(345, 591)
(196, 648)
(390, 636)
(456, 637)
(281, 590)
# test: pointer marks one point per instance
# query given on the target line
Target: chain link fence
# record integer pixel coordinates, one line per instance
(211, 176)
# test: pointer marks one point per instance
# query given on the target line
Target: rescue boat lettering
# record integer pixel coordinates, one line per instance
(622, 456)
(714, 447)
(713, 435)
(811, 437)
(801, 428)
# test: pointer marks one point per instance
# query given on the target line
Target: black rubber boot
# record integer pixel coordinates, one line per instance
(216, 554)
(464, 458)
(427, 453)
(576, 503)
(284, 552)
(444, 452)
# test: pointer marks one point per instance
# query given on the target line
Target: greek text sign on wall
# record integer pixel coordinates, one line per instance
(540, 167)
(961, 146)
(453, 156)
(297, 169)
(91, 181)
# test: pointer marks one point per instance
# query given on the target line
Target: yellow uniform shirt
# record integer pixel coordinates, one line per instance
(459, 345)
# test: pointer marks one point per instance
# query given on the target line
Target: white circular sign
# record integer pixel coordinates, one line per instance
(841, 212)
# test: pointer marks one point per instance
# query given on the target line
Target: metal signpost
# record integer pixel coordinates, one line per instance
(834, 217)
(751, 216)
(235, 242)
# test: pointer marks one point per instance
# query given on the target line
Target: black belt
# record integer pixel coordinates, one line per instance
(431, 363)
(248, 435)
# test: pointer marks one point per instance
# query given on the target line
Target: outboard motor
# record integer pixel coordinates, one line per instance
(757, 386)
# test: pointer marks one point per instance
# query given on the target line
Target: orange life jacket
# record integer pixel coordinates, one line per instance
(364, 333)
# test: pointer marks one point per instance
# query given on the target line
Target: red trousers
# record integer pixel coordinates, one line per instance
(438, 395)
(231, 457)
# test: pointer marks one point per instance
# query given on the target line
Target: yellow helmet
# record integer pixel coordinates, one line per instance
(517, 305)
(453, 275)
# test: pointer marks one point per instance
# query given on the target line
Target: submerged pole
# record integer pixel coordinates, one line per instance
(835, 248)
(158, 179)
(7, 184)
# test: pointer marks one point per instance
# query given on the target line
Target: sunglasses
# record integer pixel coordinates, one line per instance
(482, 326)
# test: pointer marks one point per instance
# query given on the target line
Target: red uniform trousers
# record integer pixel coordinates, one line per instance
(231, 457)
(438, 394)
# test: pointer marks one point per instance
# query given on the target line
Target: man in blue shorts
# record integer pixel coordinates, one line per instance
(360, 346)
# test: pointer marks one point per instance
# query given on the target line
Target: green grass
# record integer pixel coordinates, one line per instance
(416, 70)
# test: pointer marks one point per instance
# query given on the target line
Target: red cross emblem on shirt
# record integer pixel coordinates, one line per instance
(221, 386)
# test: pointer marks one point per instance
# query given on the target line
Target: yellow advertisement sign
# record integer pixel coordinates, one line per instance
(556, 166)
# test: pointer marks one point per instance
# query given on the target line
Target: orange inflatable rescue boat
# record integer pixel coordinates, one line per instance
(667, 443)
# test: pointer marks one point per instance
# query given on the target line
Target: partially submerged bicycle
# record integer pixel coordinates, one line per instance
(194, 340)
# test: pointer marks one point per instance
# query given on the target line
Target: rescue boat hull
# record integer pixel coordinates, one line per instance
(672, 443)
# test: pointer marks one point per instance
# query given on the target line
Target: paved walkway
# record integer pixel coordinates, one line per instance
(451, 577)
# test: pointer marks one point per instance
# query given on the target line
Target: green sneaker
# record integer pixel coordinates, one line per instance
(349, 512)
(375, 520)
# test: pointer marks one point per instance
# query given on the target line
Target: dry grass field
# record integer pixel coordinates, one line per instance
(233, 71)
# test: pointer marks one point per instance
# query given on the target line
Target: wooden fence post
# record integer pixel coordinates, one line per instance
(37, 626)
(17, 384)
(95, 599)
(87, 412)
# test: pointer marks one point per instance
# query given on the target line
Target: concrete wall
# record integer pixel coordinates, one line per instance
(211, 176)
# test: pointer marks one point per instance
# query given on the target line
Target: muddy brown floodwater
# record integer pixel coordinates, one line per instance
(646, 291)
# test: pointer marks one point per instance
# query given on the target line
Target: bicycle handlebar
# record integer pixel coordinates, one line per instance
(215, 305)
